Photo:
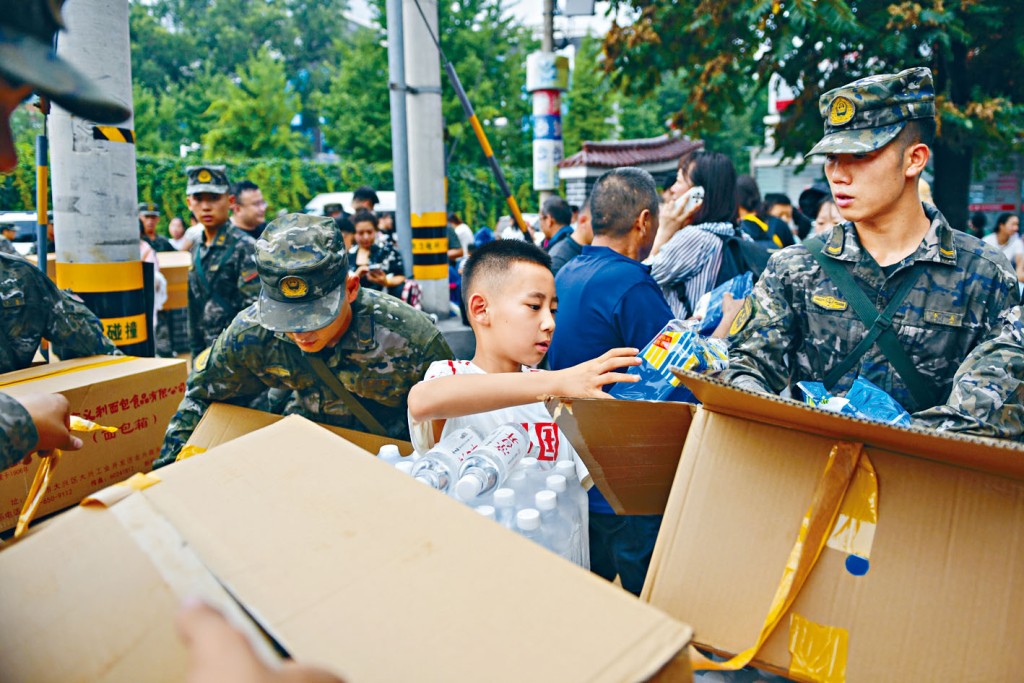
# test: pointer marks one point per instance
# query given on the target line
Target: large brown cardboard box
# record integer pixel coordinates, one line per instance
(174, 266)
(223, 422)
(942, 598)
(136, 395)
(343, 560)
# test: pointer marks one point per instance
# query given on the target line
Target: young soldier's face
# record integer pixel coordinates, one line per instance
(866, 186)
(210, 209)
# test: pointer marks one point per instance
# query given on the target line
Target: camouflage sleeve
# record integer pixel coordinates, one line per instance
(436, 349)
(988, 390)
(762, 335)
(17, 432)
(72, 328)
(195, 311)
(219, 373)
(248, 278)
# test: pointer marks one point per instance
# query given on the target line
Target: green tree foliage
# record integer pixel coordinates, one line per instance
(253, 117)
(974, 49)
(588, 104)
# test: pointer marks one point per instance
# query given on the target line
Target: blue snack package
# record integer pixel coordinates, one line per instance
(740, 286)
(873, 403)
(817, 396)
(673, 347)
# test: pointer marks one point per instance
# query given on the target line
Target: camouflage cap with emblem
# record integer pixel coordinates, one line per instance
(148, 209)
(869, 113)
(212, 179)
(303, 266)
(27, 57)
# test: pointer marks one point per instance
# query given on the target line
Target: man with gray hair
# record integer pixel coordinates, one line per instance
(608, 299)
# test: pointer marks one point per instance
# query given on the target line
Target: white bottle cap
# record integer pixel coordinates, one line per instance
(546, 500)
(556, 482)
(389, 451)
(528, 463)
(469, 487)
(504, 498)
(565, 467)
(486, 511)
(404, 466)
(528, 519)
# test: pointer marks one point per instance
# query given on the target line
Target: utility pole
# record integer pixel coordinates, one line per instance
(399, 130)
(428, 216)
(94, 184)
(547, 75)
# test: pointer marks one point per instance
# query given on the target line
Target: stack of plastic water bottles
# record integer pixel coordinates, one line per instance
(495, 475)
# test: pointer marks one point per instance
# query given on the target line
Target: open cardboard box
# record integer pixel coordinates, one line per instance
(223, 422)
(943, 597)
(344, 561)
(174, 265)
(136, 395)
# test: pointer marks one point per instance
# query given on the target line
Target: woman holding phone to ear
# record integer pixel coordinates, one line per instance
(378, 266)
(685, 262)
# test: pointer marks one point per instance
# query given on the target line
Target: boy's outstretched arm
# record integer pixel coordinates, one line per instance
(460, 395)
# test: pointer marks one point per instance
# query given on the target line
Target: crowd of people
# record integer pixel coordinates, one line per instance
(315, 316)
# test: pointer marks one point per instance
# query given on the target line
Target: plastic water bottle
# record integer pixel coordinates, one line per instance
(404, 467)
(487, 467)
(529, 525)
(569, 510)
(577, 494)
(523, 481)
(557, 529)
(438, 468)
(389, 453)
(505, 508)
(485, 511)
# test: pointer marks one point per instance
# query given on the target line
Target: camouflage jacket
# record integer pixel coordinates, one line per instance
(385, 351)
(798, 325)
(988, 390)
(32, 308)
(6, 247)
(222, 282)
(17, 432)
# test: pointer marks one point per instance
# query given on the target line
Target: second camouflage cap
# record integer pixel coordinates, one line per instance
(212, 179)
(869, 113)
(27, 57)
(303, 266)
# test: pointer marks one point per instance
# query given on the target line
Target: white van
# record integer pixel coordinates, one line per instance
(316, 204)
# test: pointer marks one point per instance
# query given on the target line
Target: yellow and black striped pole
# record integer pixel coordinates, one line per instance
(42, 205)
(467, 108)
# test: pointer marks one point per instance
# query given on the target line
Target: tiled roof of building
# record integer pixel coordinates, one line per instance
(631, 152)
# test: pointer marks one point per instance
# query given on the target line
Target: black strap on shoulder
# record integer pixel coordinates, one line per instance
(879, 326)
(356, 408)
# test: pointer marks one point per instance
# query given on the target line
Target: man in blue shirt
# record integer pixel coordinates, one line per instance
(608, 299)
(555, 221)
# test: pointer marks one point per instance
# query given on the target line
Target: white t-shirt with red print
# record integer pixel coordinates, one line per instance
(547, 443)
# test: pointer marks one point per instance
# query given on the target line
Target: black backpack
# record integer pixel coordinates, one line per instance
(738, 257)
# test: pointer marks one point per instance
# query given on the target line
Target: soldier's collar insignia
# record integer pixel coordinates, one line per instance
(293, 287)
(742, 318)
(204, 176)
(829, 303)
(837, 241)
(841, 111)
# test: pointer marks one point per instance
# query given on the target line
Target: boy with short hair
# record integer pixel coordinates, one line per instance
(511, 303)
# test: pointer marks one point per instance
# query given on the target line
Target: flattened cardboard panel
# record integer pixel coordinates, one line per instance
(988, 455)
(223, 422)
(944, 591)
(631, 448)
(345, 560)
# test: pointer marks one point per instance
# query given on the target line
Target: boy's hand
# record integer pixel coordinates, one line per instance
(51, 414)
(587, 380)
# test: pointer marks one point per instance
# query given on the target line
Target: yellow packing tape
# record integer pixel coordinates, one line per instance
(815, 530)
(45, 472)
(819, 652)
(189, 451)
(854, 531)
(109, 360)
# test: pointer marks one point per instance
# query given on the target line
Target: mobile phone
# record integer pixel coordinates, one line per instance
(692, 198)
(376, 266)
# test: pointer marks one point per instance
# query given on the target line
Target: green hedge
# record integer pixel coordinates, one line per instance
(472, 192)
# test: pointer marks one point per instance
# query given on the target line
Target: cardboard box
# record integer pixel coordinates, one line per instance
(137, 395)
(634, 475)
(942, 598)
(51, 264)
(343, 560)
(223, 422)
(174, 265)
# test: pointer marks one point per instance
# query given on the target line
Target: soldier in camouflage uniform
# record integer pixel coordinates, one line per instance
(32, 308)
(988, 390)
(799, 325)
(223, 278)
(309, 308)
(7, 232)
